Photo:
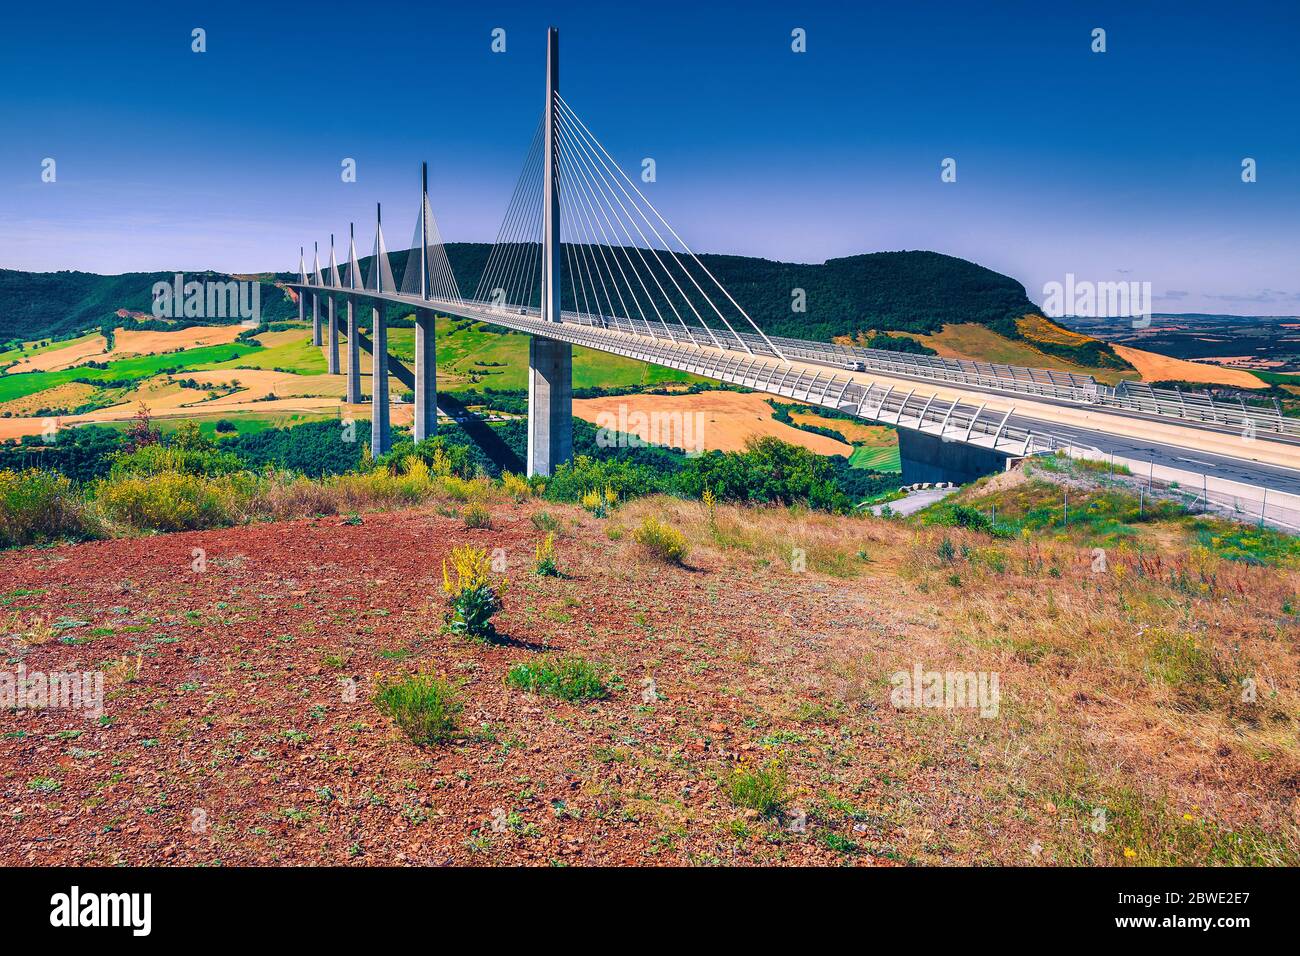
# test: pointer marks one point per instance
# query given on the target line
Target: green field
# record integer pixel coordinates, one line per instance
(297, 356)
(881, 458)
(139, 367)
(245, 422)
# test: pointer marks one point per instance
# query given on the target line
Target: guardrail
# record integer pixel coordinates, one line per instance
(1138, 397)
(952, 421)
(1199, 491)
(1047, 383)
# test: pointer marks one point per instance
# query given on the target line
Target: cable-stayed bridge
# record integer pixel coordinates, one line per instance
(582, 257)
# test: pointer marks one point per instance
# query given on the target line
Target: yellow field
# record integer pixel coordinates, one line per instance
(127, 344)
(728, 420)
(1162, 368)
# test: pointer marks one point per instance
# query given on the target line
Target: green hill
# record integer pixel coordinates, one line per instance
(882, 291)
(913, 292)
(37, 305)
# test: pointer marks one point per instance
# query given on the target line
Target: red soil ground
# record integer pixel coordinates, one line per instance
(236, 743)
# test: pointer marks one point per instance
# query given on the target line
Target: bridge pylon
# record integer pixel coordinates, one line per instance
(381, 437)
(332, 348)
(550, 362)
(426, 352)
(353, 390)
(315, 300)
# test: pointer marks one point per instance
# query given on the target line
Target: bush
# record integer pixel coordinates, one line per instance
(476, 516)
(424, 707)
(159, 459)
(40, 506)
(584, 475)
(662, 541)
(516, 487)
(570, 678)
(763, 789)
(767, 471)
(545, 521)
(168, 501)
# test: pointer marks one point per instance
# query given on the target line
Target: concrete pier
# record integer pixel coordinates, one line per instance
(332, 351)
(426, 377)
(550, 405)
(380, 435)
(353, 391)
(315, 320)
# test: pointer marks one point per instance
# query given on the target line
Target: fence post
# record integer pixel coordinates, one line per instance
(1263, 505)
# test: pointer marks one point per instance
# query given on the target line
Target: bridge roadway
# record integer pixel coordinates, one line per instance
(1007, 422)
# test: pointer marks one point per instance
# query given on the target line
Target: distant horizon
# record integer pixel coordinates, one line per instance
(1116, 166)
(1066, 319)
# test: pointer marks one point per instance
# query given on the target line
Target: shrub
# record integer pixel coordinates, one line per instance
(424, 707)
(768, 470)
(168, 501)
(545, 521)
(40, 506)
(606, 476)
(158, 459)
(570, 678)
(763, 789)
(476, 516)
(662, 541)
(545, 564)
(515, 487)
(473, 599)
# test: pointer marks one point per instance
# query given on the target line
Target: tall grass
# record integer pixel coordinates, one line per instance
(38, 506)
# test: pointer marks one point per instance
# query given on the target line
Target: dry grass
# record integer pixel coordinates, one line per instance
(1148, 712)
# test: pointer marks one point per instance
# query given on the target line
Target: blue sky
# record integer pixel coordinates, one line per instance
(1122, 165)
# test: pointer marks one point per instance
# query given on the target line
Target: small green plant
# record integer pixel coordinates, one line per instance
(545, 521)
(662, 541)
(423, 706)
(570, 678)
(839, 844)
(947, 553)
(476, 515)
(473, 598)
(762, 789)
(546, 564)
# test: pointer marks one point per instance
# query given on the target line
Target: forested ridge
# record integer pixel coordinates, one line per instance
(880, 291)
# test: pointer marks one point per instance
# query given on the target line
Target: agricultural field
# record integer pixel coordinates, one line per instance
(969, 340)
